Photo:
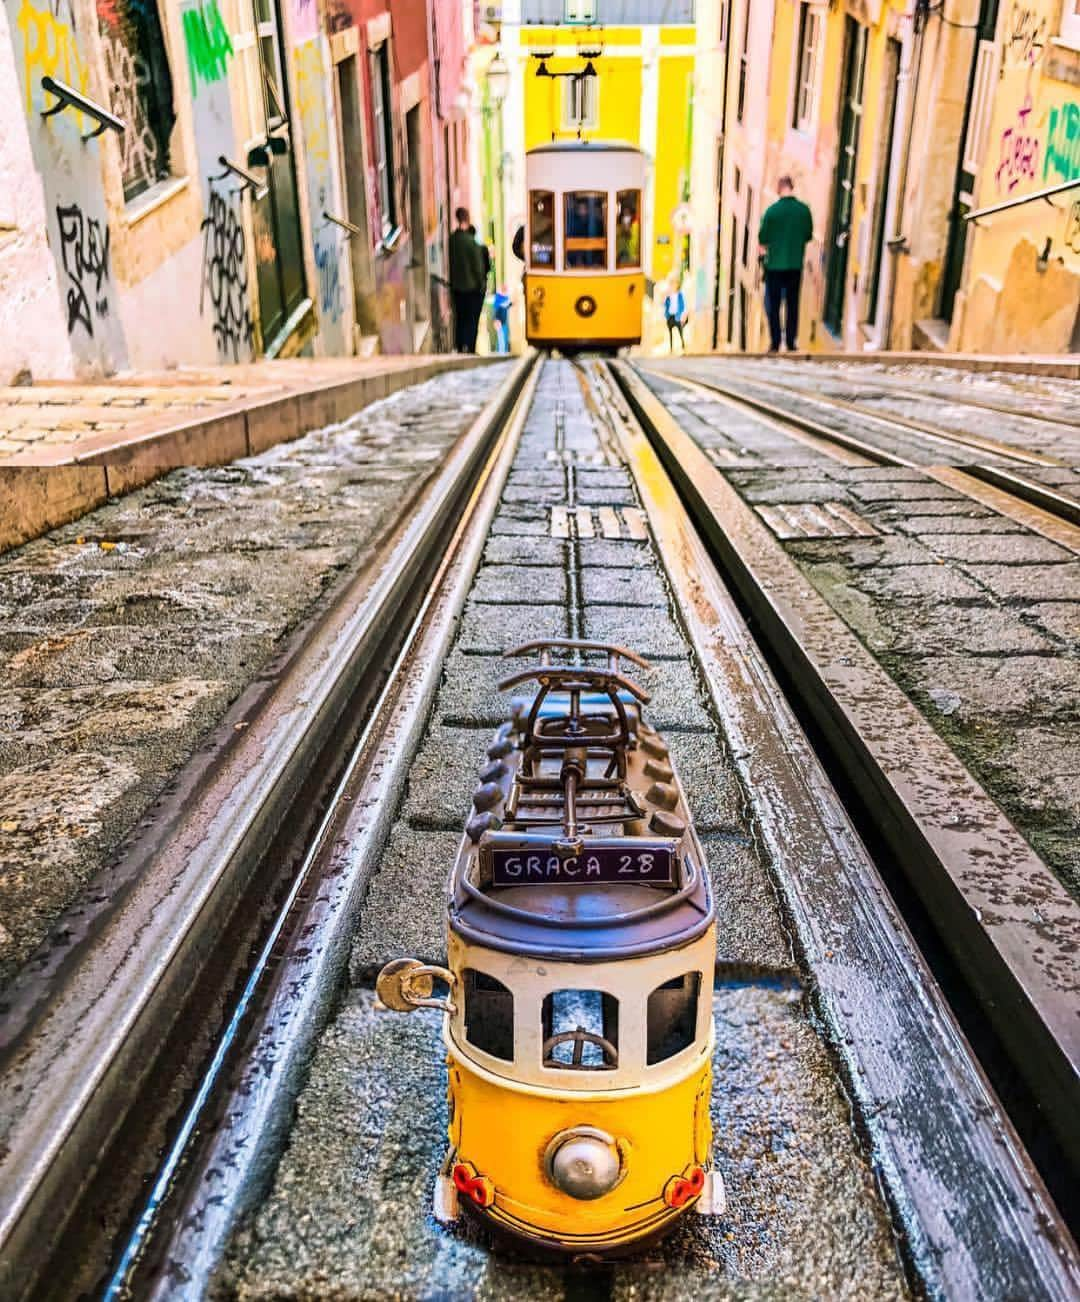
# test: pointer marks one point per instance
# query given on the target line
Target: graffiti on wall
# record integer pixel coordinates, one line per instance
(225, 277)
(128, 77)
(1018, 150)
(1025, 35)
(50, 49)
(84, 256)
(311, 110)
(326, 259)
(209, 47)
(1061, 161)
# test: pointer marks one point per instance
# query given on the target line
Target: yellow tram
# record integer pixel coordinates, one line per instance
(584, 285)
(581, 949)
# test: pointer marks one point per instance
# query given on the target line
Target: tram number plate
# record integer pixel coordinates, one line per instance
(600, 864)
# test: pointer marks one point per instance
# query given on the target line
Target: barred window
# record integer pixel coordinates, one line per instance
(140, 89)
(810, 26)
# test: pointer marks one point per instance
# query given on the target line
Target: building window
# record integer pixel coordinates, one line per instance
(542, 229)
(489, 1015)
(671, 1018)
(1070, 23)
(748, 222)
(579, 11)
(384, 138)
(580, 103)
(806, 61)
(585, 240)
(140, 90)
(628, 229)
(744, 62)
(581, 1030)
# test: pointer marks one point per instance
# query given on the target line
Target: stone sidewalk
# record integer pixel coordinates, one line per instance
(66, 448)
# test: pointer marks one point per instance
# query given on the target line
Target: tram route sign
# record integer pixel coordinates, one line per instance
(649, 863)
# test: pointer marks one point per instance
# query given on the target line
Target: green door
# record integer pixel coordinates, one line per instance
(844, 186)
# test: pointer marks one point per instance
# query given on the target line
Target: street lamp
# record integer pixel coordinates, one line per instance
(498, 79)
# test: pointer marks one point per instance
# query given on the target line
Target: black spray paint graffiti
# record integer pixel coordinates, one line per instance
(326, 260)
(225, 276)
(84, 252)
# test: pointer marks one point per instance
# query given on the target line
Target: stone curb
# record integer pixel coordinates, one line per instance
(37, 498)
(1049, 367)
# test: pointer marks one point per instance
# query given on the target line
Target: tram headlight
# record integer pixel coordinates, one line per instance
(583, 1162)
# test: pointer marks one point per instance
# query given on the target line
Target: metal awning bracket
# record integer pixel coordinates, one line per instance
(68, 97)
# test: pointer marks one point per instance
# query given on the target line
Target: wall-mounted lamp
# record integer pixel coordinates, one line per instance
(259, 155)
(248, 181)
(498, 78)
(68, 97)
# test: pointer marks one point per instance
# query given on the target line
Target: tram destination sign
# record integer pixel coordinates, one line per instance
(541, 866)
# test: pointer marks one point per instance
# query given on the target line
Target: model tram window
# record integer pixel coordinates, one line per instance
(585, 245)
(671, 1018)
(628, 229)
(541, 229)
(581, 1030)
(489, 1015)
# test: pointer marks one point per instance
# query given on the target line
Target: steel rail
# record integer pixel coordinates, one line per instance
(1045, 510)
(80, 1050)
(947, 438)
(1011, 927)
(977, 1218)
(245, 1116)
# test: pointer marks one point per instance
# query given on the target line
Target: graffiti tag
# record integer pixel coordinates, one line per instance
(128, 77)
(1062, 156)
(84, 253)
(329, 280)
(309, 101)
(49, 49)
(209, 47)
(1025, 37)
(225, 277)
(1072, 227)
(1019, 150)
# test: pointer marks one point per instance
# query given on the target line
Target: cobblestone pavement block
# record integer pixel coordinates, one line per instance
(1026, 583)
(610, 587)
(603, 553)
(654, 638)
(521, 549)
(511, 585)
(492, 629)
(443, 777)
(750, 937)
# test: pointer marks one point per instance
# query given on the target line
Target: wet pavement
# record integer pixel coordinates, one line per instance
(348, 1214)
(125, 636)
(974, 616)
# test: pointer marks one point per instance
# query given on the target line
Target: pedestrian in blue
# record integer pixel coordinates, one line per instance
(675, 313)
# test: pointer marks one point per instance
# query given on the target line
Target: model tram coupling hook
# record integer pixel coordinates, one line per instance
(406, 984)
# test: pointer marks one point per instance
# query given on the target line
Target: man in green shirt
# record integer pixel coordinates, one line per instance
(786, 228)
(468, 282)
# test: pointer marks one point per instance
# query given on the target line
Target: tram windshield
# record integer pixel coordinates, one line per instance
(628, 229)
(585, 244)
(581, 1030)
(542, 229)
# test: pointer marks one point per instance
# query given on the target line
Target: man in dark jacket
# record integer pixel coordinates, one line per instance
(468, 282)
(787, 227)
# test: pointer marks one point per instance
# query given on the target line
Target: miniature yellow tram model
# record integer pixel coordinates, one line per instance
(584, 286)
(581, 947)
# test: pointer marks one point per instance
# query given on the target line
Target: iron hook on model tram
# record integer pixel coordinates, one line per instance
(581, 942)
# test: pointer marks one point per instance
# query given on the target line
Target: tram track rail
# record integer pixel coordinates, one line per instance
(1007, 923)
(102, 1038)
(1002, 486)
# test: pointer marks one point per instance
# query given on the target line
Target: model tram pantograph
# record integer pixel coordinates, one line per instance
(584, 283)
(581, 947)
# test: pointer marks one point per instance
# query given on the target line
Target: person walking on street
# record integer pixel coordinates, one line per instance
(787, 227)
(675, 312)
(468, 283)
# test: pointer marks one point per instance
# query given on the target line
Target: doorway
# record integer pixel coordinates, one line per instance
(418, 273)
(352, 151)
(881, 199)
(843, 202)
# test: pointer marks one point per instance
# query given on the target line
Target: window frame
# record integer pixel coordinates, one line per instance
(636, 265)
(470, 991)
(383, 137)
(609, 1023)
(811, 28)
(691, 1013)
(595, 246)
(589, 88)
(1069, 30)
(533, 265)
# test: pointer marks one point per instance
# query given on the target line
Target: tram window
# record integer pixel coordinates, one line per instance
(581, 1030)
(671, 1019)
(489, 1015)
(628, 229)
(541, 229)
(585, 244)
